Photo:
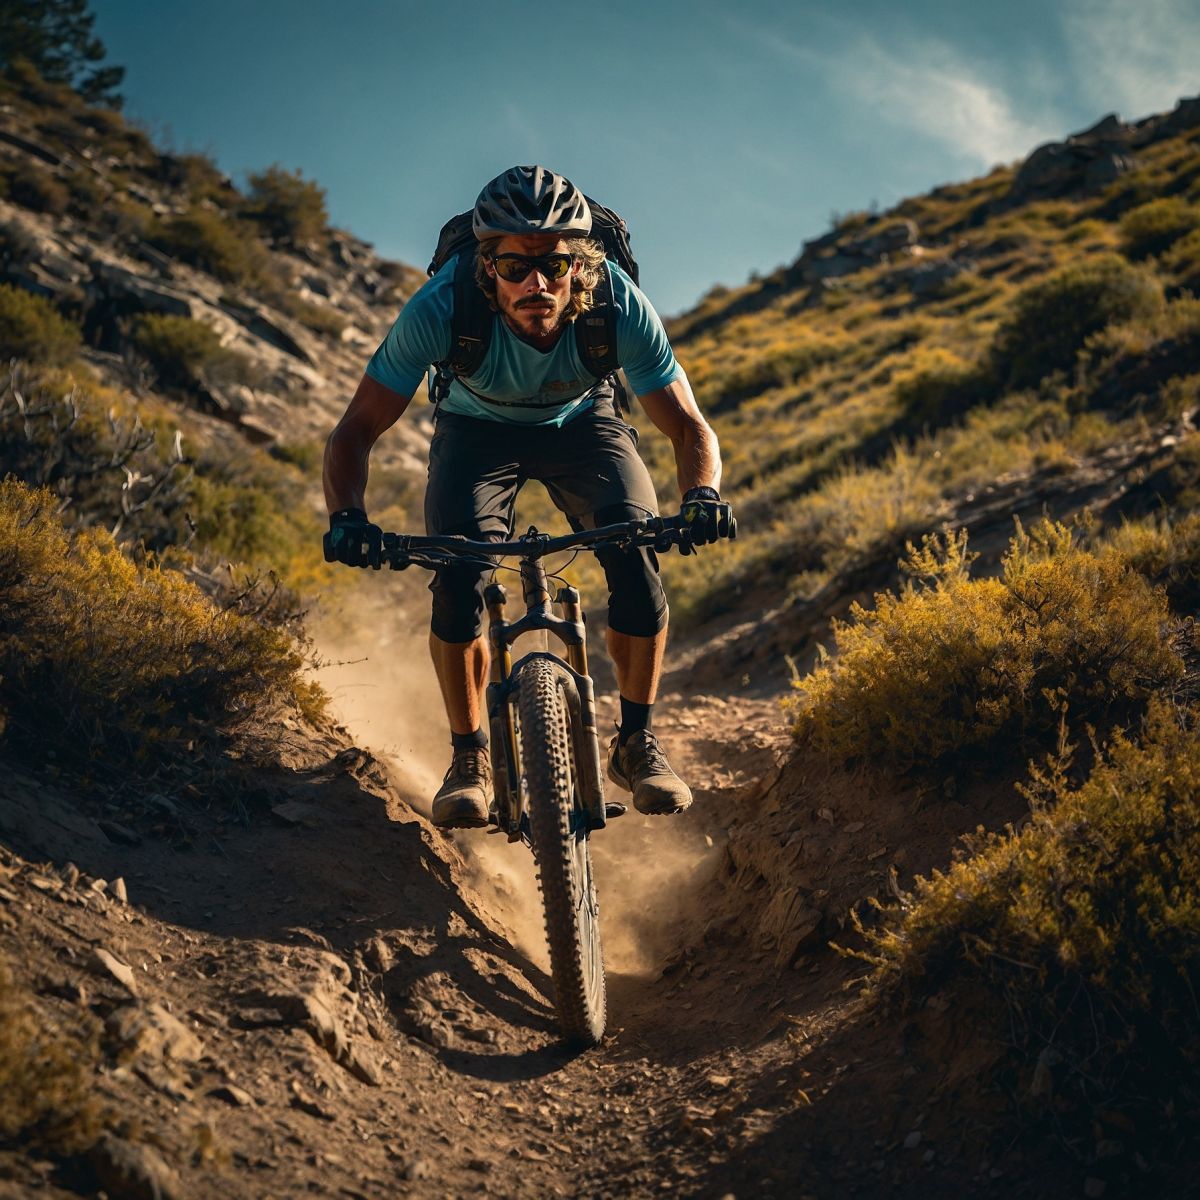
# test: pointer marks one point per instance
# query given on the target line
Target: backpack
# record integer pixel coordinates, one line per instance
(471, 331)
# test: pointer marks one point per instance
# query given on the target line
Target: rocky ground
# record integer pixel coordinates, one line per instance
(322, 997)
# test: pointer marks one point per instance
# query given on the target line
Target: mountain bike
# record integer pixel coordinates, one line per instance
(547, 764)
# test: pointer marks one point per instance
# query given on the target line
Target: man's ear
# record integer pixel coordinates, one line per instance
(490, 268)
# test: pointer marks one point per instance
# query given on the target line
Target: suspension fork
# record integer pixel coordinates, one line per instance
(506, 766)
(587, 741)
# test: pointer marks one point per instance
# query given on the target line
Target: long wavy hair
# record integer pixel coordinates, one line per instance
(591, 259)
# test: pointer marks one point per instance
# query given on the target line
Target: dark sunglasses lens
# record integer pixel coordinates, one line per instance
(554, 266)
(513, 268)
(516, 267)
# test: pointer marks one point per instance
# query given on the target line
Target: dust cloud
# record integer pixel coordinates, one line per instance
(383, 689)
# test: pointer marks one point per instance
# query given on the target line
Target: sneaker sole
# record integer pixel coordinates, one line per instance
(621, 782)
(464, 816)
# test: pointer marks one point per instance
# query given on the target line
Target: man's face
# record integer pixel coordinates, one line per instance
(533, 307)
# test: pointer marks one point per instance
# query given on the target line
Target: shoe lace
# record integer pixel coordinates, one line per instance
(468, 764)
(647, 755)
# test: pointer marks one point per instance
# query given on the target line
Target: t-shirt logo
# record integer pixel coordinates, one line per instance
(560, 385)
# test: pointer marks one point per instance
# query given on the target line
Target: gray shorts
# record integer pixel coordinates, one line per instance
(593, 473)
(476, 468)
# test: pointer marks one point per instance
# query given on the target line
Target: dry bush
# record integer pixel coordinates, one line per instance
(1152, 228)
(31, 327)
(215, 243)
(937, 394)
(954, 667)
(290, 208)
(102, 656)
(46, 1073)
(1080, 938)
(88, 446)
(1052, 319)
(36, 188)
(188, 354)
(1167, 553)
(1182, 261)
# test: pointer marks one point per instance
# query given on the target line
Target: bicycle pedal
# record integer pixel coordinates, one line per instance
(613, 809)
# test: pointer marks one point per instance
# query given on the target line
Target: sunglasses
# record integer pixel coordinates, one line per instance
(515, 267)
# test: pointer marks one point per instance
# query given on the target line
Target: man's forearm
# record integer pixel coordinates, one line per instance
(697, 455)
(345, 477)
(697, 458)
(373, 410)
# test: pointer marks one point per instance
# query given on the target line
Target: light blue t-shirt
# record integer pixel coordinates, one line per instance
(551, 385)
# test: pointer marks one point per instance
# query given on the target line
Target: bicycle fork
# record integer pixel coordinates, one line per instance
(504, 679)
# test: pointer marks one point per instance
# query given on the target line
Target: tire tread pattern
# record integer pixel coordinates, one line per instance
(545, 757)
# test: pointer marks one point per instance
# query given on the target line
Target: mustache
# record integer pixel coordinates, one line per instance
(539, 299)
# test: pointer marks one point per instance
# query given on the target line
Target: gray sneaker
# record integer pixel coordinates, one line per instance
(463, 799)
(641, 767)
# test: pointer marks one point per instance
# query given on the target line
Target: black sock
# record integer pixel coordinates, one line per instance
(634, 718)
(469, 741)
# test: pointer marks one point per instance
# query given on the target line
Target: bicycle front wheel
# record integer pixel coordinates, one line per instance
(558, 831)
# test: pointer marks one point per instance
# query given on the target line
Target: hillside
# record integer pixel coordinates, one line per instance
(931, 927)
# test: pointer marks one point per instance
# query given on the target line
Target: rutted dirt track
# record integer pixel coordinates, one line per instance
(326, 1001)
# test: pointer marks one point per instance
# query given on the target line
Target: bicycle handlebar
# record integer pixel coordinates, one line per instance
(401, 550)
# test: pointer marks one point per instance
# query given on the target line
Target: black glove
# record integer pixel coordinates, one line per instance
(353, 540)
(706, 517)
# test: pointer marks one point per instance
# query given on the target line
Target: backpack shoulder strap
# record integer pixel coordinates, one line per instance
(596, 331)
(471, 330)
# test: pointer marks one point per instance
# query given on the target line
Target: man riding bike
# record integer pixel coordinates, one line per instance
(532, 410)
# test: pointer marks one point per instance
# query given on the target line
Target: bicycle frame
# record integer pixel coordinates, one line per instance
(432, 552)
(581, 699)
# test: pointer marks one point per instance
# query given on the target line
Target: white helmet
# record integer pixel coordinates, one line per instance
(528, 200)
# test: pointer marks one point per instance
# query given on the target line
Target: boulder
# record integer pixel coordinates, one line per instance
(891, 239)
(1085, 162)
(111, 282)
(149, 1031)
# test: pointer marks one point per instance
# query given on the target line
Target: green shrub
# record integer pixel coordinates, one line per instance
(46, 1075)
(953, 667)
(216, 244)
(290, 207)
(31, 328)
(197, 176)
(100, 655)
(1183, 261)
(188, 354)
(1053, 318)
(319, 318)
(17, 245)
(937, 395)
(1079, 938)
(1151, 228)
(35, 188)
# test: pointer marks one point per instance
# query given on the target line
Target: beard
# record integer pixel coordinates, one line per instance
(539, 315)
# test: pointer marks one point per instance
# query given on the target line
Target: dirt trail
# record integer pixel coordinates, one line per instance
(369, 995)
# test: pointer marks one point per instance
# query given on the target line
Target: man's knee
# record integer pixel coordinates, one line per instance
(458, 591)
(457, 604)
(637, 604)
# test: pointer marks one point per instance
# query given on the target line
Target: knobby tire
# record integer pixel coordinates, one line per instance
(560, 850)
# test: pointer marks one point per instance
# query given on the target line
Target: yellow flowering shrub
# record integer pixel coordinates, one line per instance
(102, 654)
(953, 665)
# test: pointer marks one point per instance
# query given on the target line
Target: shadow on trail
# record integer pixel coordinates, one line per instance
(332, 857)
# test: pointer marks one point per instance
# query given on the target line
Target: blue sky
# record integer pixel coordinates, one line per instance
(725, 134)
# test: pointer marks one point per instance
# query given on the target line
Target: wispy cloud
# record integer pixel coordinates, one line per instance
(1137, 57)
(924, 85)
